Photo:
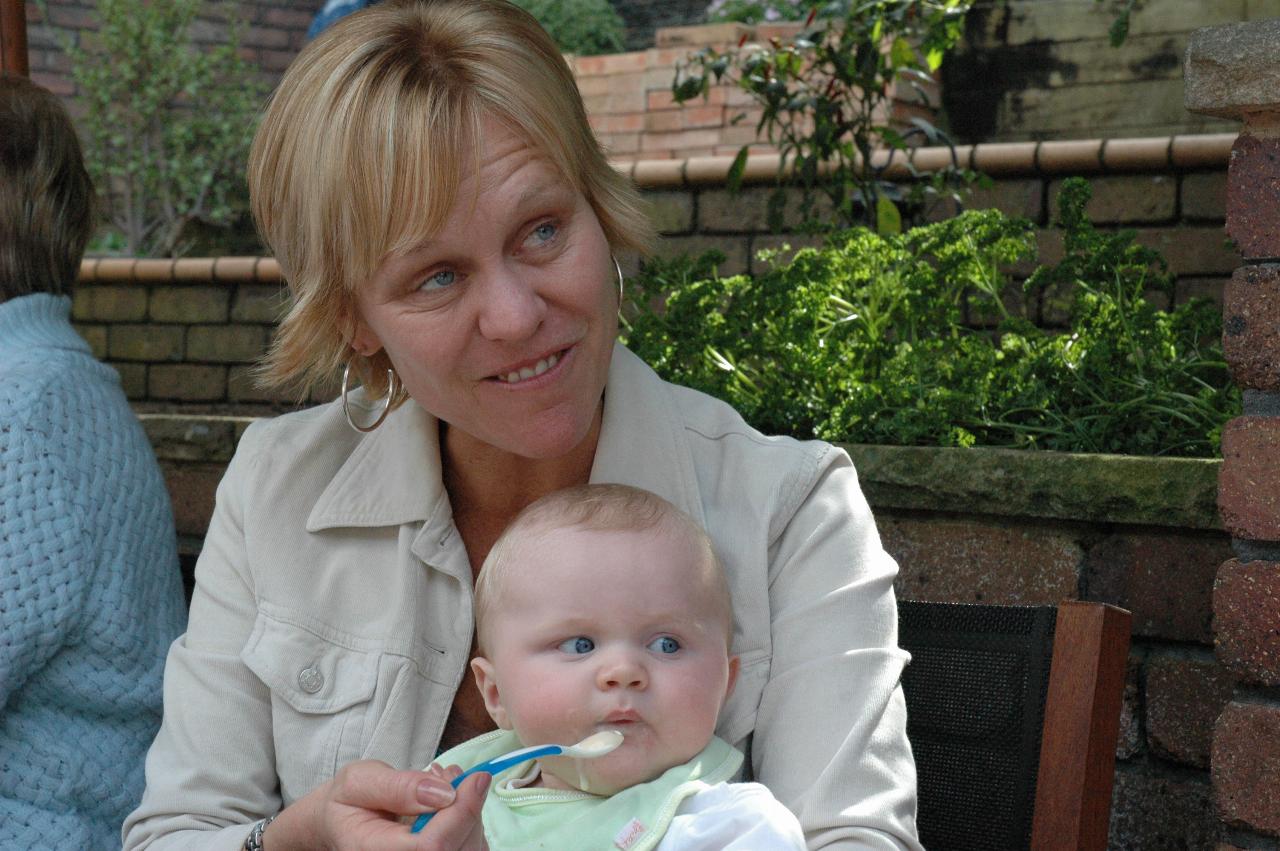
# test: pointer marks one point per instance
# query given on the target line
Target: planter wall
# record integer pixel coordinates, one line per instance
(998, 526)
(186, 333)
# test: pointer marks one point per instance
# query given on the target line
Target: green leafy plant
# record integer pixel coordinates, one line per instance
(166, 123)
(580, 27)
(866, 340)
(825, 99)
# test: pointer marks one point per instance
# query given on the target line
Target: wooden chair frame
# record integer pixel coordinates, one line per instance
(1081, 727)
(1083, 690)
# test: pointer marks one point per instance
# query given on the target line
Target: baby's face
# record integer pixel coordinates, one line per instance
(608, 631)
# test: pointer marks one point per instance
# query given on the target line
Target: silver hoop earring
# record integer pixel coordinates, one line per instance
(393, 388)
(618, 269)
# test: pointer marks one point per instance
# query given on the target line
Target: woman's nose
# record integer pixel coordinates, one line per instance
(512, 308)
(622, 670)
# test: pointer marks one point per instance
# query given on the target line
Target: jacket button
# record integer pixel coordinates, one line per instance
(310, 680)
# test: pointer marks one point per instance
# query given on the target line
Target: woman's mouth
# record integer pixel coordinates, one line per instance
(525, 373)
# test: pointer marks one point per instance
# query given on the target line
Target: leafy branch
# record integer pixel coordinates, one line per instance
(826, 102)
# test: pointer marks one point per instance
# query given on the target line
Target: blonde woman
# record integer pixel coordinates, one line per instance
(449, 227)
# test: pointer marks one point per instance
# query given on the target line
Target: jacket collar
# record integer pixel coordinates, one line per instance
(392, 476)
(642, 440)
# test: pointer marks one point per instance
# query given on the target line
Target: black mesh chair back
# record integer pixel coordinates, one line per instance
(975, 692)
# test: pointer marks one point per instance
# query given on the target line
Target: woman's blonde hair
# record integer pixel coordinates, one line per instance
(46, 196)
(361, 148)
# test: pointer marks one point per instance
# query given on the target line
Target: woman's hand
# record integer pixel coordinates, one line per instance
(361, 808)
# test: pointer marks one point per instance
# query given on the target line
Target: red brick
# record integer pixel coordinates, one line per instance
(1253, 196)
(1246, 608)
(72, 17)
(1156, 812)
(287, 18)
(631, 123)
(1251, 327)
(276, 60)
(1165, 579)
(1184, 699)
(1129, 740)
(191, 492)
(1249, 484)
(1246, 752)
(956, 561)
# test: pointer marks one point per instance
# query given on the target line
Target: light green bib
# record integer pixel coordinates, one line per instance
(635, 819)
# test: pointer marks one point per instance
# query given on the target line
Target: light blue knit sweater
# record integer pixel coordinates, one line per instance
(90, 594)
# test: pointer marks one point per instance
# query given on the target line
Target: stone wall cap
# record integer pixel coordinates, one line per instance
(1178, 492)
(1231, 71)
(998, 159)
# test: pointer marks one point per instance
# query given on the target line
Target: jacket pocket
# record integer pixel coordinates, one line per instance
(321, 682)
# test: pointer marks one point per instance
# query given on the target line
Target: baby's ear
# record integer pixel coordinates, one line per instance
(733, 677)
(487, 683)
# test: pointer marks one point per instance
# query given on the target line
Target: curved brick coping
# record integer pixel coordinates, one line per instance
(1179, 492)
(1092, 156)
(195, 269)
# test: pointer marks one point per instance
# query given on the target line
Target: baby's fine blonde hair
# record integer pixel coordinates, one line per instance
(596, 508)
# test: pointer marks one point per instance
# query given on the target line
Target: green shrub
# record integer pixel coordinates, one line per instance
(865, 341)
(826, 99)
(580, 27)
(166, 124)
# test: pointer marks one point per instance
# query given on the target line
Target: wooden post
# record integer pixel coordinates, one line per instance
(13, 37)
(1081, 723)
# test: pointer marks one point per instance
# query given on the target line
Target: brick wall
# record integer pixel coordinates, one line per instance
(1232, 72)
(1044, 69)
(274, 32)
(185, 333)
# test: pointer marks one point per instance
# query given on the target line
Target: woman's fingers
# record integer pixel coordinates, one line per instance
(457, 827)
(373, 785)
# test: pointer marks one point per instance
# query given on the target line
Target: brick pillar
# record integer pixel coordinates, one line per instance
(1234, 72)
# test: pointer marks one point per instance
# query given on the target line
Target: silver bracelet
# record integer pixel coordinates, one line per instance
(253, 842)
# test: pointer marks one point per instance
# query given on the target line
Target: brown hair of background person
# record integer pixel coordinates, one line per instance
(46, 197)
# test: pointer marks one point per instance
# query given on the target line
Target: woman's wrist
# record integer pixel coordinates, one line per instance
(253, 842)
(290, 830)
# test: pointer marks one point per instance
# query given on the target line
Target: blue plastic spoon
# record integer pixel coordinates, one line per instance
(597, 744)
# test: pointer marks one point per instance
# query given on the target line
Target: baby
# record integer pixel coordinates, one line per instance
(604, 607)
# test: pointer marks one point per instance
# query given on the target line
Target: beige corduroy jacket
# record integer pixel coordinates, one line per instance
(332, 616)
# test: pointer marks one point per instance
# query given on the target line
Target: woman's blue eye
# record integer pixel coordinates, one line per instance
(665, 644)
(440, 280)
(544, 232)
(578, 645)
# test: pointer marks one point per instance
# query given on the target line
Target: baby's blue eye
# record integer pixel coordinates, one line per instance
(577, 645)
(438, 281)
(665, 644)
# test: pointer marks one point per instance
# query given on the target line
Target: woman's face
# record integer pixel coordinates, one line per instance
(502, 323)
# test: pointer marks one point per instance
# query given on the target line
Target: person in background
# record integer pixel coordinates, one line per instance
(90, 591)
(603, 609)
(333, 10)
(449, 226)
